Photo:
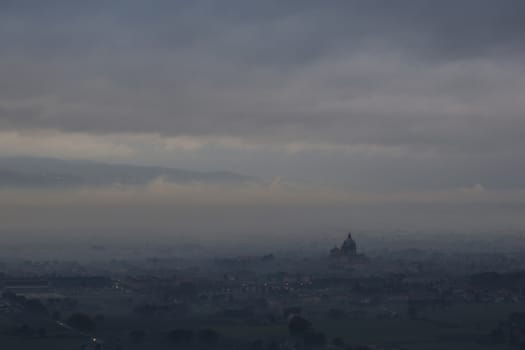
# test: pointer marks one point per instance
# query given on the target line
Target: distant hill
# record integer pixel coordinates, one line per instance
(50, 172)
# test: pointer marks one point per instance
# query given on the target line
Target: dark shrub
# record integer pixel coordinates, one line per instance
(81, 322)
(181, 335)
(298, 325)
(208, 335)
(314, 339)
(137, 336)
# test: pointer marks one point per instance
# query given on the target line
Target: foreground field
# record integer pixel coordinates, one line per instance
(457, 327)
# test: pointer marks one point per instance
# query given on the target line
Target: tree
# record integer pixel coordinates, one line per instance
(257, 344)
(339, 342)
(81, 322)
(35, 306)
(137, 336)
(181, 335)
(23, 330)
(145, 310)
(274, 345)
(314, 339)
(298, 325)
(291, 310)
(208, 335)
(336, 314)
(56, 315)
(413, 311)
(42, 332)
(186, 291)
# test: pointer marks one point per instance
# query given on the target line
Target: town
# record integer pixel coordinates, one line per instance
(342, 299)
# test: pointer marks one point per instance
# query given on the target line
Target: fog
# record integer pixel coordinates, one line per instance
(168, 211)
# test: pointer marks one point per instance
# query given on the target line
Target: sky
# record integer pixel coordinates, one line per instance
(364, 106)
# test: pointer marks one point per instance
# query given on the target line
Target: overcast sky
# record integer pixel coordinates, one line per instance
(389, 99)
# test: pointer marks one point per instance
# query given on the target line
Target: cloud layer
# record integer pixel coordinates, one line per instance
(416, 73)
(376, 97)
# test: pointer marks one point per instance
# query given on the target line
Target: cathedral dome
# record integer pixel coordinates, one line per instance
(349, 246)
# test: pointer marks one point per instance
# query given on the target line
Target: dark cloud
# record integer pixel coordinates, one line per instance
(463, 26)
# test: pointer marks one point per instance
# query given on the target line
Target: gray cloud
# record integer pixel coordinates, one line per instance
(310, 89)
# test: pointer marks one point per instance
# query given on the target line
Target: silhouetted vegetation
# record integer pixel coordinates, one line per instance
(81, 322)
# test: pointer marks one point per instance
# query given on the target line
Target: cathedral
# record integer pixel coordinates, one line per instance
(347, 250)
